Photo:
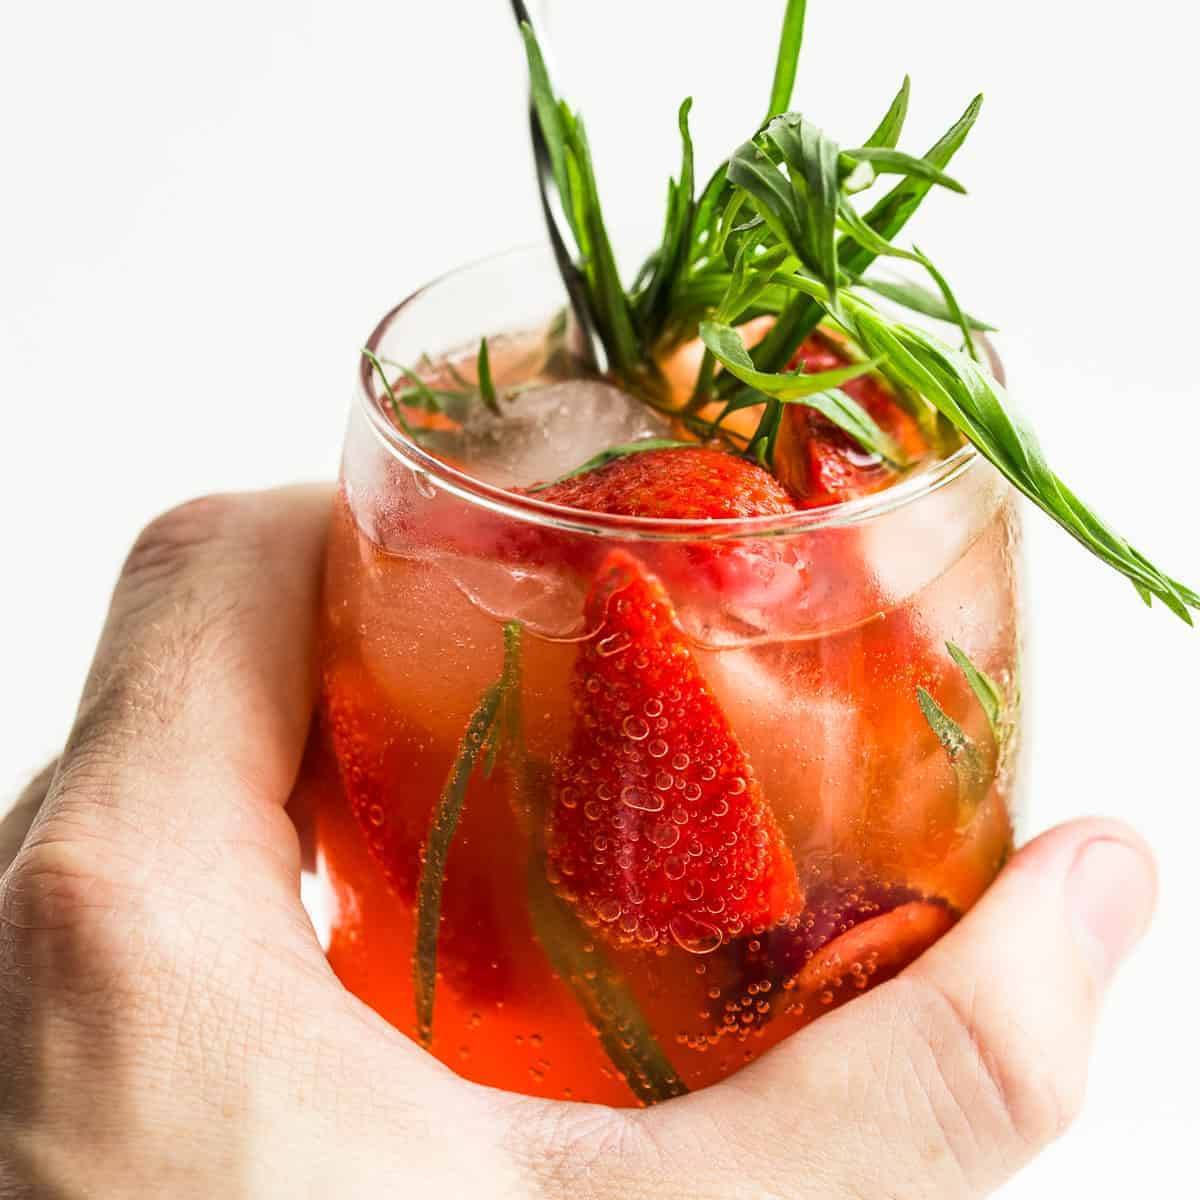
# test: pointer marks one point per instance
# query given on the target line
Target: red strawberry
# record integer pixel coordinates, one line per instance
(702, 484)
(658, 830)
(693, 483)
(820, 464)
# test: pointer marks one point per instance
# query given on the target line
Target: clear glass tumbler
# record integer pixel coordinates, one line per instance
(609, 806)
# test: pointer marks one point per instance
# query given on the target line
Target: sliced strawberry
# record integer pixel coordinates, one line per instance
(821, 465)
(700, 483)
(658, 830)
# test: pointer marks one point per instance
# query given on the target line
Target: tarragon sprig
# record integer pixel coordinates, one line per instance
(777, 232)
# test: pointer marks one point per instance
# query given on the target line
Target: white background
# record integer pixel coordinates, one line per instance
(205, 207)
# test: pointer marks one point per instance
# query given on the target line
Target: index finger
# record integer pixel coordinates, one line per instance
(193, 719)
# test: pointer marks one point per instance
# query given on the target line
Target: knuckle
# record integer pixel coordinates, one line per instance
(169, 543)
(62, 919)
(987, 1081)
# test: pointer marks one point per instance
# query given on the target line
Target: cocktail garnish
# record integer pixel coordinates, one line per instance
(776, 234)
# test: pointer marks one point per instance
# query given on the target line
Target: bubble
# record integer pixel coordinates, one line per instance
(608, 910)
(664, 781)
(679, 815)
(694, 889)
(592, 810)
(657, 748)
(716, 905)
(375, 814)
(720, 807)
(636, 728)
(628, 922)
(680, 762)
(694, 936)
(644, 801)
(664, 835)
(653, 708)
(737, 785)
(615, 643)
(692, 792)
(646, 932)
(568, 797)
(708, 774)
(674, 867)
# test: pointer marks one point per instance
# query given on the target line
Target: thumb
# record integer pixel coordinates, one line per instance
(946, 1080)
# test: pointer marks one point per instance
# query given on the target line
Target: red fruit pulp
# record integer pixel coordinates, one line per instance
(658, 830)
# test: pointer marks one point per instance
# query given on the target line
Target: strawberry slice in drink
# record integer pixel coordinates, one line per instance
(821, 465)
(658, 831)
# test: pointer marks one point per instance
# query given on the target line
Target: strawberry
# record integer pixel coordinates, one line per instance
(821, 465)
(657, 829)
(694, 483)
(700, 483)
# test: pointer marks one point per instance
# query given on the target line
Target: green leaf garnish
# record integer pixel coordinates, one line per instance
(987, 692)
(971, 769)
(775, 233)
(480, 737)
(569, 946)
(612, 454)
(608, 1004)
(791, 38)
(483, 370)
(920, 300)
(887, 161)
(818, 390)
(887, 133)
(977, 405)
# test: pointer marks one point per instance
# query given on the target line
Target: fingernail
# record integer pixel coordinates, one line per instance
(1110, 892)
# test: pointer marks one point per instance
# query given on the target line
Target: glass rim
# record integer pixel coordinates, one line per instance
(532, 510)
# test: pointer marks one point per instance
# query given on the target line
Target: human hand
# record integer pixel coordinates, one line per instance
(169, 1025)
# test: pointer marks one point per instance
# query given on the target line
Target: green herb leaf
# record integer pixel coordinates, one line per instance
(887, 161)
(487, 389)
(443, 826)
(390, 392)
(671, 259)
(495, 719)
(609, 1006)
(790, 40)
(971, 768)
(613, 453)
(920, 300)
(976, 404)
(812, 162)
(887, 133)
(895, 209)
(987, 692)
(818, 390)
(569, 946)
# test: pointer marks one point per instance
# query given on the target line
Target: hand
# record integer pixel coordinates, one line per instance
(169, 1026)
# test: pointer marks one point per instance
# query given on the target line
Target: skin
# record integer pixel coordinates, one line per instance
(169, 1026)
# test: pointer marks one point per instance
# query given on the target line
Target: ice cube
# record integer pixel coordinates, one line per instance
(547, 430)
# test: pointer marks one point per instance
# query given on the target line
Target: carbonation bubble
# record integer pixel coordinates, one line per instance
(637, 729)
(608, 910)
(375, 814)
(592, 810)
(694, 936)
(657, 748)
(615, 643)
(674, 867)
(680, 762)
(654, 708)
(737, 785)
(664, 835)
(694, 889)
(720, 807)
(664, 781)
(642, 800)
